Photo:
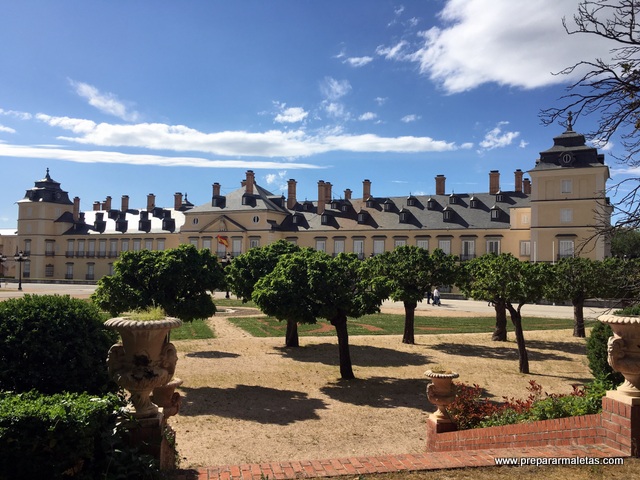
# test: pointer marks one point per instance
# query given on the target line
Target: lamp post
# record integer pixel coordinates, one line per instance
(226, 261)
(20, 257)
(3, 258)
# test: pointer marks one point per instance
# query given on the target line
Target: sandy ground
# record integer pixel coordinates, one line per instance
(250, 400)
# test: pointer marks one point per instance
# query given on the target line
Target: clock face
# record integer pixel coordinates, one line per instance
(566, 159)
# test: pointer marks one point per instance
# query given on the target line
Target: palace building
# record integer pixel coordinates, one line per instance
(552, 214)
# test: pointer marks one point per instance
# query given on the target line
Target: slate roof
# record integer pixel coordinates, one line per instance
(159, 220)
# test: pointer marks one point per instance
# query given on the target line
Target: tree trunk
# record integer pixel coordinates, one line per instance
(340, 323)
(578, 317)
(409, 321)
(500, 330)
(516, 319)
(291, 338)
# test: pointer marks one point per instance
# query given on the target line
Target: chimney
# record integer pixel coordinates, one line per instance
(291, 194)
(106, 205)
(518, 179)
(366, 189)
(527, 186)
(321, 198)
(177, 201)
(216, 189)
(250, 182)
(347, 194)
(151, 202)
(440, 181)
(76, 209)
(327, 192)
(96, 206)
(494, 182)
(125, 203)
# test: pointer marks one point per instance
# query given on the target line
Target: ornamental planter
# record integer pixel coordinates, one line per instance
(143, 361)
(441, 393)
(624, 351)
(165, 396)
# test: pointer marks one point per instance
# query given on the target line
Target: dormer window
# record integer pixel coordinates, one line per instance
(335, 204)
(324, 219)
(248, 200)
(387, 205)
(453, 199)
(473, 202)
(499, 196)
(363, 216)
(345, 207)
(411, 201)
(370, 202)
(431, 204)
(295, 219)
(307, 206)
(404, 216)
(447, 214)
(495, 213)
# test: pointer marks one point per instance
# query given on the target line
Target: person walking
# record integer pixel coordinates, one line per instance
(436, 296)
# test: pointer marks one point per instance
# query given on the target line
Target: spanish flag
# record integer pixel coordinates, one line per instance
(223, 240)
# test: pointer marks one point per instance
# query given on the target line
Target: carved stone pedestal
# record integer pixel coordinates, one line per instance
(154, 437)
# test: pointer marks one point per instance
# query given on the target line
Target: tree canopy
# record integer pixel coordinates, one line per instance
(179, 280)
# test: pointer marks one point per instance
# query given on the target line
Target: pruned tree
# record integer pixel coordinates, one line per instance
(516, 283)
(245, 270)
(576, 279)
(410, 273)
(610, 90)
(308, 285)
(178, 280)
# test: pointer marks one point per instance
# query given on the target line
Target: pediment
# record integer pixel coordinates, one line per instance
(223, 223)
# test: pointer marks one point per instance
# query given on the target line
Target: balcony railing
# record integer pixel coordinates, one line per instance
(89, 276)
(467, 256)
(49, 254)
(68, 276)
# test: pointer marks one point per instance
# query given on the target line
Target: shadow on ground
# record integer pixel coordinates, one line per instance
(211, 354)
(381, 392)
(559, 346)
(361, 355)
(251, 403)
(498, 353)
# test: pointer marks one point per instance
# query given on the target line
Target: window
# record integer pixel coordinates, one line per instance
(91, 271)
(566, 186)
(378, 246)
(27, 247)
(254, 242)
(195, 221)
(362, 217)
(422, 243)
(102, 248)
(148, 244)
(493, 246)
(194, 241)
(236, 246)
(447, 215)
(255, 219)
(69, 272)
(524, 219)
(80, 251)
(566, 215)
(399, 242)
(222, 249)
(565, 248)
(70, 245)
(110, 269)
(125, 245)
(445, 246)
(113, 248)
(295, 219)
(91, 248)
(495, 213)
(321, 245)
(48, 270)
(468, 249)
(525, 248)
(324, 219)
(137, 244)
(161, 244)
(338, 246)
(206, 244)
(404, 217)
(49, 246)
(358, 248)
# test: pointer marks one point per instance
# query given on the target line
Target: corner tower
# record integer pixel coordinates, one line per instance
(568, 200)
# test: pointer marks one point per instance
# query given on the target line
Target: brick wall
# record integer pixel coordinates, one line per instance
(618, 426)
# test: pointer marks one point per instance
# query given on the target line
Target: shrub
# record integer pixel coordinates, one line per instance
(52, 344)
(597, 355)
(68, 435)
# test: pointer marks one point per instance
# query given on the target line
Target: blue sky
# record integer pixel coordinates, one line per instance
(164, 96)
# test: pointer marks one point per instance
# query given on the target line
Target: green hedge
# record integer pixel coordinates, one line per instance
(597, 355)
(53, 344)
(67, 435)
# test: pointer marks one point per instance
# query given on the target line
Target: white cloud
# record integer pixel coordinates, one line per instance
(6, 129)
(105, 102)
(510, 43)
(359, 61)
(290, 115)
(277, 181)
(333, 89)
(336, 110)
(380, 100)
(523, 144)
(368, 116)
(411, 118)
(496, 138)
(16, 114)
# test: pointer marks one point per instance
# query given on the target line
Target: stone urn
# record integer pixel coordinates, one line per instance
(143, 361)
(441, 393)
(624, 351)
(165, 396)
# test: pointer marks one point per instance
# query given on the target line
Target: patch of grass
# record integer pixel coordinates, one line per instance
(233, 302)
(388, 324)
(196, 330)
